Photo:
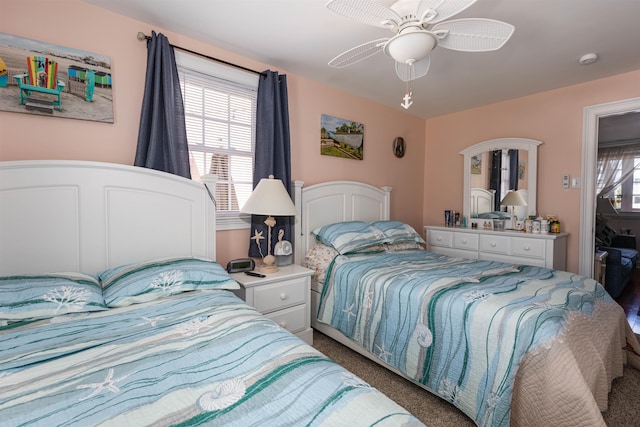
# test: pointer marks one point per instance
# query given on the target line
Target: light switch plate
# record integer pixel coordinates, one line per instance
(565, 181)
(575, 182)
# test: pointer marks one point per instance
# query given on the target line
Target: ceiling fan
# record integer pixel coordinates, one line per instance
(419, 26)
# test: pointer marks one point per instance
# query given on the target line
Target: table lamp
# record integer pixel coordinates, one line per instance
(511, 199)
(268, 198)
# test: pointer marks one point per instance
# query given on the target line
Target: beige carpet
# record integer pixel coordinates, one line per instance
(624, 400)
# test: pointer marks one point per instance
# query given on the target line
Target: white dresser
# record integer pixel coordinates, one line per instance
(543, 250)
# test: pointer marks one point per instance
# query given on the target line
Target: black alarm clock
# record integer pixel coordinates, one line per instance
(241, 264)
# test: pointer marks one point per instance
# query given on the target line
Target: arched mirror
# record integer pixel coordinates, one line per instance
(512, 162)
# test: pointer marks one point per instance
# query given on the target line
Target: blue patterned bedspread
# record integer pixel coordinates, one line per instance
(460, 327)
(193, 359)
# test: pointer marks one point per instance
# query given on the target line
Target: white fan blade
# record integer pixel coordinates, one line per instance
(408, 72)
(365, 11)
(358, 53)
(473, 34)
(445, 8)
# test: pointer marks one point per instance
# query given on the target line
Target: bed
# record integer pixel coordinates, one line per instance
(507, 344)
(113, 311)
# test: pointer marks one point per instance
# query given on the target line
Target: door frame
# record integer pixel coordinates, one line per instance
(590, 122)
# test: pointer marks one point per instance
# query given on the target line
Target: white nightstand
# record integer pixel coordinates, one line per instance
(283, 296)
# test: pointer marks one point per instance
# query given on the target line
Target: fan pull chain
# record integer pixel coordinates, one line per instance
(407, 97)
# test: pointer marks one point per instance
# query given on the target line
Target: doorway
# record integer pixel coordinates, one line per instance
(591, 117)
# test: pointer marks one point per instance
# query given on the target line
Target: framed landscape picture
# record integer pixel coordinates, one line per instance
(341, 138)
(476, 164)
(42, 78)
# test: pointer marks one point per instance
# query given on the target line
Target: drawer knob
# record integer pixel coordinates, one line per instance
(464, 241)
(283, 296)
(493, 244)
(283, 324)
(526, 248)
(439, 239)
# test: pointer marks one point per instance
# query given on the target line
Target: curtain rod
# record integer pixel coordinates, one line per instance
(143, 37)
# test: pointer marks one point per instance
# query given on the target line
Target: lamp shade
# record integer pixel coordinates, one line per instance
(513, 198)
(269, 198)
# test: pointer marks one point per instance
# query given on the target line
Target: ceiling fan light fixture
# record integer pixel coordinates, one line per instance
(419, 27)
(409, 47)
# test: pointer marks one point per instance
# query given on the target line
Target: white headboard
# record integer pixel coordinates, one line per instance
(88, 216)
(482, 201)
(335, 201)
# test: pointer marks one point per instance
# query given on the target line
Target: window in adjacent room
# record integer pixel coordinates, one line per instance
(620, 169)
(220, 115)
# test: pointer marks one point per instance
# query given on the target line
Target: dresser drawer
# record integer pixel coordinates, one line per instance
(292, 319)
(494, 244)
(440, 238)
(513, 247)
(274, 297)
(530, 248)
(466, 241)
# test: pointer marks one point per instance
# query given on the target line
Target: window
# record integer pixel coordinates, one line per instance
(505, 175)
(618, 171)
(630, 186)
(220, 116)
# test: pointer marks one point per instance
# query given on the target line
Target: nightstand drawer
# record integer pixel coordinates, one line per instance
(292, 319)
(288, 293)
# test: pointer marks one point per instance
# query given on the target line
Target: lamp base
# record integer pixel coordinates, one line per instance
(266, 269)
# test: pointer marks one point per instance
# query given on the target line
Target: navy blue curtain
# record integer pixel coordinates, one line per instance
(513, 170)
(495, 177)
(162, 138)
(272, 153)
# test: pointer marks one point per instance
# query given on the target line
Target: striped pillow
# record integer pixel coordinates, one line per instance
(349, 236)
(30, 297)
(397, 231)
(136, 283)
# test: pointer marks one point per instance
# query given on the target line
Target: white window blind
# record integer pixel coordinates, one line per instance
(220, 116)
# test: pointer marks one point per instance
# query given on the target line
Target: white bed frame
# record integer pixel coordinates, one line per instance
(330, 202)
(335, 201)
(559, 372)
(80, 216)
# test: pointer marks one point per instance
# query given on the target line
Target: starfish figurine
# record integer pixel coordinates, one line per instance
(257, 236)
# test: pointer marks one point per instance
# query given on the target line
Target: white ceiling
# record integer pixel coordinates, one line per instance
(301, 36)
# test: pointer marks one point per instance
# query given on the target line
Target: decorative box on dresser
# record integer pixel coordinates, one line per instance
(538, 249)
(283, 296)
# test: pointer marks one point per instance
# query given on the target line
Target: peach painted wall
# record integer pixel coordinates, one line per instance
(553, 117)
(73, 23)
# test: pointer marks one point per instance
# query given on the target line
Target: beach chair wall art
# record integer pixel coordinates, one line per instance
(3, 74)
(40, 79)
